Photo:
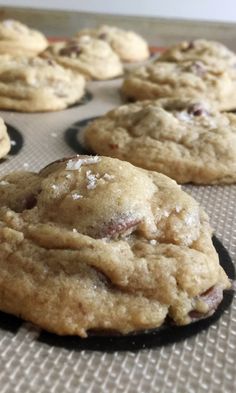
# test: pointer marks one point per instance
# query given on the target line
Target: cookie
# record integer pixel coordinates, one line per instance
(87, 55)
(191, 79)
(35, 85)
(129, 46)
(210, 52)
(94, 243)
(5, 143)
(17, 39)
(187, 140)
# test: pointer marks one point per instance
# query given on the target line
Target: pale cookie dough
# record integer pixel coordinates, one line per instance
(186, 140)
(5, 143)
(18, 39)
(129, 46)
(89, 56)
(211, 52)
(35, 85)
(191, 79)
(94, 243)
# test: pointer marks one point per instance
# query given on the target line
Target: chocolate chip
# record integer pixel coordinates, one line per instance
(63, 51)
(197, 110)
(102, 36)
(212, 297)
(119, 228)
(190, 45)
(30, 202)
(113, 146)
(129, 99)
(196, 315)
(51, 62)
(70, 49)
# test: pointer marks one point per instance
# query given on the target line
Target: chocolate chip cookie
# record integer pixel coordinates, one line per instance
(35, 85)
(129, 46)
(210, 52)
(188, 140)
(94, 243)
(191, 79)
(18, 39)
(87, 55)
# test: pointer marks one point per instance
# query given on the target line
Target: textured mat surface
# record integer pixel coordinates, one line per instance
(203, 363)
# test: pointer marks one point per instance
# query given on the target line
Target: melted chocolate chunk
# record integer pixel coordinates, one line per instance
(102, 36)
(191, 45)
(121, 227)
(197, 110)
(70, 49)
(113, 146)
(30, 201)
(212, 297)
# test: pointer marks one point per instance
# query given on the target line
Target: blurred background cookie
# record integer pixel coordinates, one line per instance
(35, 85)
(190, 79)
(87, 55)
(18, 39)
(210, 52)
(128, 45)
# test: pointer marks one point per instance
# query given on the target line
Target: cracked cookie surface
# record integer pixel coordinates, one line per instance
(94, 243)
(189, 141)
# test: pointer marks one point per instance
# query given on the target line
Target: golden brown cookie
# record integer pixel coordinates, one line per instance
(35, 85)
(18, 39)
(96, 243)
(188, 79)
(129, 46)
(5, 143)
(87, 55)
(189, 141)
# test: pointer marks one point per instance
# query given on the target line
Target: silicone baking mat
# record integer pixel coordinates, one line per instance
(201, 363)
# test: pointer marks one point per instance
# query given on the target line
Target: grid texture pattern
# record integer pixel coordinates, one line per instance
(204, 363)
